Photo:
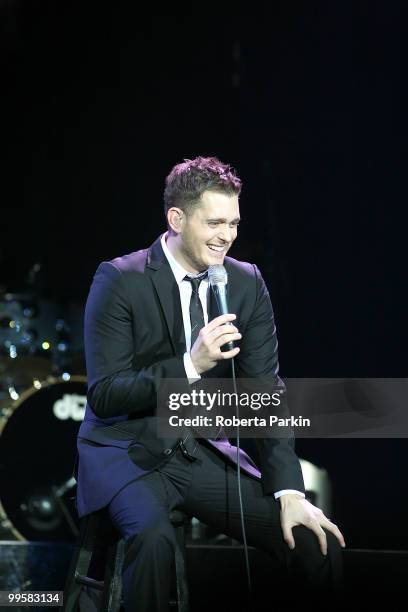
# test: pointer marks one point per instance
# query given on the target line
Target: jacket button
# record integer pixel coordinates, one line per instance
(167, 451)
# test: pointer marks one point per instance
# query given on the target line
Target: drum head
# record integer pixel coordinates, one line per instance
(37, 455)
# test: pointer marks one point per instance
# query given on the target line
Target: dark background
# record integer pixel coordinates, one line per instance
(306, 100)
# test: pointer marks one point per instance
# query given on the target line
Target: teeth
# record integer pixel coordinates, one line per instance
(218, 249)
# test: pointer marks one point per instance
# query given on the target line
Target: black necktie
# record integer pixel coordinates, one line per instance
(197, 322)
(196, 309)
(189, 443)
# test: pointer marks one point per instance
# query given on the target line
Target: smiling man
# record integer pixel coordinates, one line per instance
(150, 316)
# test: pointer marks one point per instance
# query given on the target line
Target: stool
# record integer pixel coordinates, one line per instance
(98, 536)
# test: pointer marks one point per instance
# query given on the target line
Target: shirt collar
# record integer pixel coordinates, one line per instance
(177, 269)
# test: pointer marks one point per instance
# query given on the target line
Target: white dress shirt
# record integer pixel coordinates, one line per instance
(185, 295)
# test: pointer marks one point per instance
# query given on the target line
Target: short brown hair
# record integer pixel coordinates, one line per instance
(187, 181)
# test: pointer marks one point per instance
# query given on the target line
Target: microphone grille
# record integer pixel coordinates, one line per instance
(217, 275)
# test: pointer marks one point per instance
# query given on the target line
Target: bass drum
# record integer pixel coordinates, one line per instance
(37, 455)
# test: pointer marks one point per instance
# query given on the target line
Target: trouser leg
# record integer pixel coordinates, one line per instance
(207, 489)
(140, 514)
(213, 499)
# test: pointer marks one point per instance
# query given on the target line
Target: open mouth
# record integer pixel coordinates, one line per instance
(216, 249)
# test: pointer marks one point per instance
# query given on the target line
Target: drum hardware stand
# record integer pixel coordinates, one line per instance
(58, 493)
(6, 525)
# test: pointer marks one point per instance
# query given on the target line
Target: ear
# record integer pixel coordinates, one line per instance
(175, 219)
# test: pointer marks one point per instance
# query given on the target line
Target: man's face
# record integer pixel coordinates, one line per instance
(208, 232)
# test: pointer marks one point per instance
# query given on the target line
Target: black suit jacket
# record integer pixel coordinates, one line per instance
(134, 337)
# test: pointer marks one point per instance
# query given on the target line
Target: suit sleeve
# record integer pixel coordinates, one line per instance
(258, 358)
(115, 388)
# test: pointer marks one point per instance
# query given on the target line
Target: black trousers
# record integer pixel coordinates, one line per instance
(207, 489)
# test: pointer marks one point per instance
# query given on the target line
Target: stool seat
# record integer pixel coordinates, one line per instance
(100, 550)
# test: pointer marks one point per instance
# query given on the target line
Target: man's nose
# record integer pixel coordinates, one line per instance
(225, 234)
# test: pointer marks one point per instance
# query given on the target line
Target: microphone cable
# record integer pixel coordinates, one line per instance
(218, 279)
(241, 509)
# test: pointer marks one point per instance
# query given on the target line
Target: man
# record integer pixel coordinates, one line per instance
(149, 317)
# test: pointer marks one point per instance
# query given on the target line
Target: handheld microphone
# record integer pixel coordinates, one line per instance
(218, 279)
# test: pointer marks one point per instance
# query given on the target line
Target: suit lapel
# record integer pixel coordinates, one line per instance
(169, 295)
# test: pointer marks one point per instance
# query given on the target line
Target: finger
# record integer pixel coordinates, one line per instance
(220, 331)
(321, 536)
(288, 536)
(229, 354)
(327, 524)
(219, 342)
(221, 320)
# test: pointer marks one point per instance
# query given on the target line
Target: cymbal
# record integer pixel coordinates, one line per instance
(24, 369)
(17, 297)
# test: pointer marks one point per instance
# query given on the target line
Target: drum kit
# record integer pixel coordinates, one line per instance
(42, 402)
